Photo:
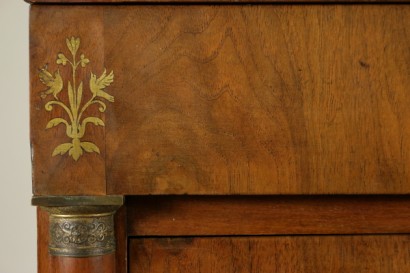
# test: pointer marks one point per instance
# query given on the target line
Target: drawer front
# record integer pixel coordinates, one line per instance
(268, 234)
(262, 99)
(316, 254)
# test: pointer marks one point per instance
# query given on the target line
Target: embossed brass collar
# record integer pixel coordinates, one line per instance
(80, 226)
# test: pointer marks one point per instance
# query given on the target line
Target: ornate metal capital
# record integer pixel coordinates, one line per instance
(80, 226)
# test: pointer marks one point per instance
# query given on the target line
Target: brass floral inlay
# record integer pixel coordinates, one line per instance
(75, 108)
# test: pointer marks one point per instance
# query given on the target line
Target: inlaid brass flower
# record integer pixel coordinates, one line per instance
(75, 121)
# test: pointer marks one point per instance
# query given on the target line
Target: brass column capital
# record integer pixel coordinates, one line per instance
(80, 226)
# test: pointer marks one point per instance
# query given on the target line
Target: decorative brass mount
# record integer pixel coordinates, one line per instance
(80, 226)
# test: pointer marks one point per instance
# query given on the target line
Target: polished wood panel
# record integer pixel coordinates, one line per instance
(54, 264)
(319, 254)
(267, 215)
(262, 99)
(61, 175)
(259, 99)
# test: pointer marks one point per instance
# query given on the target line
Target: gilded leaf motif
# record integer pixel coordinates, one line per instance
(62, 149)
(90, 147)
(84, 61)
(79, 95)
(94, 120)
(55, 122)
(71, 96)
(62, 59)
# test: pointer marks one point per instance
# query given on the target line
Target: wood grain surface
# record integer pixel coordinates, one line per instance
(267, 215)
(262, 99)
(319, 254)
(121, 233)
(214, 1)
(61, 175)
(53, 264)
(259, 99)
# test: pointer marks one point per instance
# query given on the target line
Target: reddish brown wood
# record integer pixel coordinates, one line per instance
(263, 99)
(233, 99)
(236, 100)
(266, 215)
(316, 254)
(100, 264)
(61, 175)
(53, 264)
(121, 254)
(215, 1)
(43, 258)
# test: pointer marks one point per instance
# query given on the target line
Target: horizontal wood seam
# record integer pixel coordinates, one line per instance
(265, 235)
(220, 3)
(267, 216)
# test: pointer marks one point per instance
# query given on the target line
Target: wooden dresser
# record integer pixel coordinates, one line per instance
(221, 136)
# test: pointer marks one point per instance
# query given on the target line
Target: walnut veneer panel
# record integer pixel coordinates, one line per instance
(318, 254)
(267, 215)
(49, 28)
(299, 99)
(259, 99)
